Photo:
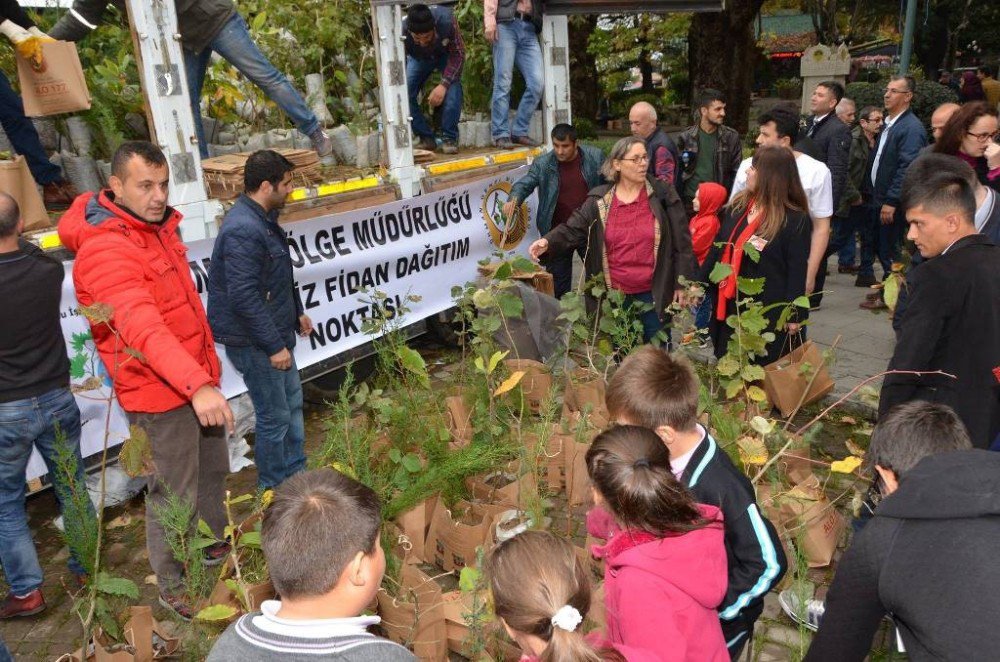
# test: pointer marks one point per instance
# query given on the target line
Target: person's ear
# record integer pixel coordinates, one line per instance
(116, 185)
(667, 434)
(19, 230)
(597, 498)
(889, 479)
(356, 569)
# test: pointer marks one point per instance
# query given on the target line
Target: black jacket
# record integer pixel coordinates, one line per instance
(728, 154)
(12, 11)
(904, 141)
(655, 141)
(585, 231)
(251, 293)
(33, 356)
(782, 265)
(198, 21)
(952, 324)
(928, 559)
(756, 559)
(831, 142)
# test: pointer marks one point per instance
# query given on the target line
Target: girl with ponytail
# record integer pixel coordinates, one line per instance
(664, 561)
(541, 594)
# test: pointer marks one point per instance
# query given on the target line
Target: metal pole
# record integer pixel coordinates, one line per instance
(908, 29)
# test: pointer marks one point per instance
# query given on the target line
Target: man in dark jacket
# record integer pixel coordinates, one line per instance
(208, 26)
(928, 556)
(37, 409)
(433, 42)
(900, 141)
(26, 38)
(952, 322)
(563, 178)
(660, 148)
(710, 151)
(255, 311)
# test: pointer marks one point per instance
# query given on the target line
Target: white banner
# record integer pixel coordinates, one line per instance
(422, 246)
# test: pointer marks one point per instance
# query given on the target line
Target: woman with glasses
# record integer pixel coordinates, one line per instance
(635, 232)
(971, 135)
(766, 233)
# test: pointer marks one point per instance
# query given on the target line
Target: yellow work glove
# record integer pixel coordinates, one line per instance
(27, 45)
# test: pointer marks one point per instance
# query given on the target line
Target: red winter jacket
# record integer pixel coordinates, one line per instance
(140, 269)
(661, 594)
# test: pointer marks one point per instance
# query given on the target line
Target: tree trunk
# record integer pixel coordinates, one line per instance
(722, 53)
(646, 71)
(585, 88)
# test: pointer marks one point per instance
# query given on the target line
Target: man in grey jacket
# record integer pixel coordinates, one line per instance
(206, 26)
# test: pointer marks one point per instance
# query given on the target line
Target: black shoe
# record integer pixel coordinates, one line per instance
(449, 147)
(865, 280)
(427, 143)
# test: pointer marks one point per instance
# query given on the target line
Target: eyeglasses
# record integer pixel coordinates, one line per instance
(889, 90)
(873, 120)
(983, 137)
(637, 159)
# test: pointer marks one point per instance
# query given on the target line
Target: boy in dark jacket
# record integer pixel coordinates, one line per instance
(928, 557)
(656, 390)
(255, 311)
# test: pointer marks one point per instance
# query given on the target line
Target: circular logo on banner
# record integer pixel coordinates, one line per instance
(506, 233)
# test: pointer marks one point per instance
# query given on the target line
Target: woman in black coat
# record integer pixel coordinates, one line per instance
(772, 216)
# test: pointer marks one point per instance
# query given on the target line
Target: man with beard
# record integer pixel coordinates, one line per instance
(255, 311)
(710, 151)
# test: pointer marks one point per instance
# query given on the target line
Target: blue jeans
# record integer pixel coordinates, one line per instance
(234, 44)
(417, 73)
(651, 324)
(25, 424)
(703, 311)
(878, 240)
(517, 44)
(23, 136)
(842, 236)
(277, 402)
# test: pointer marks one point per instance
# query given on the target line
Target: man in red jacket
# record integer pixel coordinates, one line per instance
(157, 345)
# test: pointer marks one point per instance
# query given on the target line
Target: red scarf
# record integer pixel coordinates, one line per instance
(733, 256)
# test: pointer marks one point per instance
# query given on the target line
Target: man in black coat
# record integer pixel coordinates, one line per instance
(928, 556)
(952, 323)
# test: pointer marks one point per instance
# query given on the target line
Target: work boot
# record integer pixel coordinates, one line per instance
(58, 195)
(503, 143)
(28, 605)
(321, 143)
(449, 147)
(524, 141)
(427, 143)
(865, 280)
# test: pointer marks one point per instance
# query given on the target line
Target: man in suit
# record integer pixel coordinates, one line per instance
(831, 139)
(952, 323)
(899, 142)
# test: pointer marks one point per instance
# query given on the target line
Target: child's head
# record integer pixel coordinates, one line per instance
(630, 469)
(656, 390)
(709, 198)
(321, 534)
(533, 577)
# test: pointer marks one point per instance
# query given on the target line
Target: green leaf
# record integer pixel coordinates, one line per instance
(480, 366)
(204, 529)
(521, 263)
(411, 462)
(750, 286)
(202, 543)
(761, 425)
(216, 613)
(756, 394)
(733, 388)
(801, 302)
(105, 583)
(727, 366)
(136, 454)
(250, 539)
(413, 363)
(510, 305)
(395, 455)
(890, 291)
(468, 579)
(496, 359)
(231, 585)
(106, 618)
(78, 366)
(503, 272)
(243, 498)
(751, 252)
(752, 373)
(720, 272)
(79, 341)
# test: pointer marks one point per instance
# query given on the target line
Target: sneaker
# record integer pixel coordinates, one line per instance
(177, 604)
(809, 615)
(57, 196)
(321, 143)
(215, 554)
(28, 605)
(865, 280)
(427, 143)
(503, 143)
(449, 147)
(524, 141)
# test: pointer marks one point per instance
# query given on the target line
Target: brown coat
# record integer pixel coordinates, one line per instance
(585, 230)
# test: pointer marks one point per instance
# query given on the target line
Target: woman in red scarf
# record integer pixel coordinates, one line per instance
(772, 216)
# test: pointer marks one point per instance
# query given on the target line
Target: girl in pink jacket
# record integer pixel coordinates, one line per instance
(664, 560)
(541, 594)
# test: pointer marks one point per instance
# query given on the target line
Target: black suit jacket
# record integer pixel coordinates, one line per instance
(830, 143)
(952, 324)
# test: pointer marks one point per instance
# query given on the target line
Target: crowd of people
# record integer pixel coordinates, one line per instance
(688, 554)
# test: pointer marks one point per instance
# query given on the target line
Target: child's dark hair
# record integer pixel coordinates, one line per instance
(630, 467)
(532, 576)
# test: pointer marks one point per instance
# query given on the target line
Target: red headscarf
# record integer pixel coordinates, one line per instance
(705, 223)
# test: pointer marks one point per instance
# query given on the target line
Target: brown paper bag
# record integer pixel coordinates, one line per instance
(459, 420)
(815, 524)
(507, 487)
(414, 524)
(452, 540)
(416, 617)
(139, 646)
(788, 378)
(16, 180)
(797, 464)
(536, 385)
(457, 607)
(585, 393)
(553, 461)
(56, 86)
(577, 479)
